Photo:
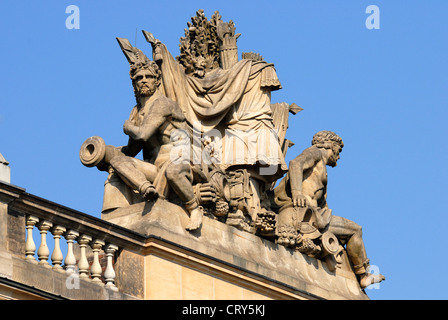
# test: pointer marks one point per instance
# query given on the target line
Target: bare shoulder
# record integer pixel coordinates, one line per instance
(309, 154)
(167, 107)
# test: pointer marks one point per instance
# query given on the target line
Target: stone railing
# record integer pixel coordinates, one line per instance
(70, 244)
(71, 264)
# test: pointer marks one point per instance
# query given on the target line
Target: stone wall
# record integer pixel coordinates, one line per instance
(156, 258)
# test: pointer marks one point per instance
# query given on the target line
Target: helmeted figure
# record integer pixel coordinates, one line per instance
(152, 126)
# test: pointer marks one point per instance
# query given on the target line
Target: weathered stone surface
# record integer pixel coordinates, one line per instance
(59, 283)
(16, 232)
(131, 274)
(157, 252)
(240, 250)
(5, 170)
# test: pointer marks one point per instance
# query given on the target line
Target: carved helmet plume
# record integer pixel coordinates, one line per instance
(137, 59)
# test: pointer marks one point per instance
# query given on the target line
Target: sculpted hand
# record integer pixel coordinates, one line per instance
(207, 192)
(155, 45)
(127, 127)
(298, 199)
(150, 38)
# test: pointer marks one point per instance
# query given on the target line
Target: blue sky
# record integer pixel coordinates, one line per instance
(384, 91)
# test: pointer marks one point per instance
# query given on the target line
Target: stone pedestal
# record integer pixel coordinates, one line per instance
(218, 262)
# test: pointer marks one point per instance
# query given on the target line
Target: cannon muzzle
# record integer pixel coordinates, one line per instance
(93, 151)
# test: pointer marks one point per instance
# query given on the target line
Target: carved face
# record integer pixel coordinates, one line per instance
(145, 83)
(334, 155)
(200, 66)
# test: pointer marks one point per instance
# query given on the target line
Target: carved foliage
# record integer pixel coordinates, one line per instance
(200, 48)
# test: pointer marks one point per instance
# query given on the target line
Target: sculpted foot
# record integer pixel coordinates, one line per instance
(368, 279)
(195, 219)
(150, 193)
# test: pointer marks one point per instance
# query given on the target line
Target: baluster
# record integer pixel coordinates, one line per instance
(109, 273)
(56, 256)
(83, 264)
(95, 269)
(30, 246)
(43, 252)
(70, 260)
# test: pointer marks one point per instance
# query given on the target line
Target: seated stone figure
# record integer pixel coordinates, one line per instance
(155, 127)
(305, 186)
(230, 98)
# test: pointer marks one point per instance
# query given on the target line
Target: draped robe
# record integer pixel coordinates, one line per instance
(239, 98)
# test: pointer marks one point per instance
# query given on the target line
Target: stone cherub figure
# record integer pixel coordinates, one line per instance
(156, 126)
(305, 186)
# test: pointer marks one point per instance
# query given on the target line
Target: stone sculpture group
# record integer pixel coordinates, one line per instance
(213, 143)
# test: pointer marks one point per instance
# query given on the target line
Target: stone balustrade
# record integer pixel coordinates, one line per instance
(44, 245)
(89, 271)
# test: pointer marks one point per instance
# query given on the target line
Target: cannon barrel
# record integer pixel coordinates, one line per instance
(93, 151)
